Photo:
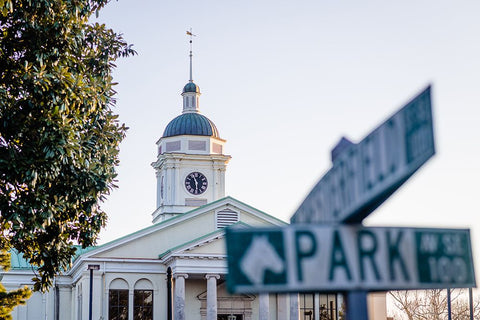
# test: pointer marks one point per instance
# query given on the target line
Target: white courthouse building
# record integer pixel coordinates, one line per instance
(176, 268)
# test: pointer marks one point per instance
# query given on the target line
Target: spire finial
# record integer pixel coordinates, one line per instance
(191, 55)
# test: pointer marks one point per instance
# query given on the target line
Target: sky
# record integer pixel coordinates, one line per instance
(284, 80)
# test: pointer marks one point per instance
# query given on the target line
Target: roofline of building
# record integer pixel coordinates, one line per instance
(176, 219)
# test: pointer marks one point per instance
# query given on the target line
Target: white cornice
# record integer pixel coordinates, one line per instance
(188, 136)
(172, 159)
(123, 265)
(199, 266)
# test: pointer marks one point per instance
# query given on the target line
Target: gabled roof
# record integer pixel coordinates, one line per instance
(196, 243)
(227, 201)
(18, 262)
(184, 248)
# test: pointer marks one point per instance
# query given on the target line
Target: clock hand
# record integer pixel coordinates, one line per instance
(196, 183)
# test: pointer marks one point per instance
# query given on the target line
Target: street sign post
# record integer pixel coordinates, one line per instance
(366, 174)
(326, 249)
(333, 258)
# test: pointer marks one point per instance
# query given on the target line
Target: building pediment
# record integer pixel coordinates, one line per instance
(167, 239)
(210, 246)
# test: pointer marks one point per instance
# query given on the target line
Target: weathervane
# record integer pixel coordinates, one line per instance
(189, 33)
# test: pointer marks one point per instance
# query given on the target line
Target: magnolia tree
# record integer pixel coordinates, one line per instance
(59, 138)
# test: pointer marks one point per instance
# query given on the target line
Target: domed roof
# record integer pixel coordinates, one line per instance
(191, 124)
(191, 87)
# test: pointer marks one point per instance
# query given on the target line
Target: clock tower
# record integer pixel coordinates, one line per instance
(190, 166)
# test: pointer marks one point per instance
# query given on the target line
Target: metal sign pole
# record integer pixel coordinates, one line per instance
(90, 296)
(449, 304)
(357, 305)
(91, 267)
(470, 299)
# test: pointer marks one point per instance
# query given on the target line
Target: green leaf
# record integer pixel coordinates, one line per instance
(59, 137)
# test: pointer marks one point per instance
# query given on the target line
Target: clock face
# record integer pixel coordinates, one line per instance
(196, 183)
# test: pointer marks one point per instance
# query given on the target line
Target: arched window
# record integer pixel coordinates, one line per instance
(118, 300)
(143, 300)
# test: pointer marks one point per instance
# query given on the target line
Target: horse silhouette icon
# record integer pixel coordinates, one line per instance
(259, 258)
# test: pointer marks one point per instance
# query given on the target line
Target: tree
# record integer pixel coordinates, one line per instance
(59, 138)
(432, 304)
(9, 300)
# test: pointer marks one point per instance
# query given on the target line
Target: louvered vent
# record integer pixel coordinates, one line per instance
(226, 217)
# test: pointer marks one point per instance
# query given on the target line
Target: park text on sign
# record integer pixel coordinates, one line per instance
(367, 173)
(336, 258)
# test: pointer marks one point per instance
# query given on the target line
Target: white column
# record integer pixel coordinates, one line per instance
(215, 184)
(294, 312)
(212, 296)
(263, 306)
(44, 306)
(177, 200)
(65, 302)
(282, 307)
(179, 303)
(316, 306)
(130, 302)
(221, 173)
(158, 175)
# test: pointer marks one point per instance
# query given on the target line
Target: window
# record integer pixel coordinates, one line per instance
(328, 306)
(197, 145)
(172, 146)
(143, 305)
(325, 305)
(118, 304)
(306, 306)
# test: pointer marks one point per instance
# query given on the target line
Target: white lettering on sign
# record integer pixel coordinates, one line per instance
(338, 258)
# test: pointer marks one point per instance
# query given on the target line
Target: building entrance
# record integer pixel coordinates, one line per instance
(229, 317)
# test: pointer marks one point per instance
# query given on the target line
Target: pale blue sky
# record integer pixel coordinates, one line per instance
(284, 80)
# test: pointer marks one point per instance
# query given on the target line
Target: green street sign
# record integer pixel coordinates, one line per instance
(365, 174)
(325, 258)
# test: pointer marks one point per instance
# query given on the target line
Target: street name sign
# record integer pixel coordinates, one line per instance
(364, 175)
(332, 258)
